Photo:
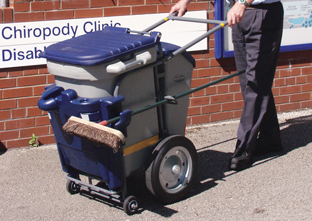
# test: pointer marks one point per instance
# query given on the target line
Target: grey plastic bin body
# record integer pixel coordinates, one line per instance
(139, 91)
(137, 85)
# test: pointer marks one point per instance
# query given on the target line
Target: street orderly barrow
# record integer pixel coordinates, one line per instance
(141, 86)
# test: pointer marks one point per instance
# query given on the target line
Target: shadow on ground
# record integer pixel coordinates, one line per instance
(3, 149)
(295, 133)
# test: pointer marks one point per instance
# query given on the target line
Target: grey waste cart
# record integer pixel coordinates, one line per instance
(104, 75)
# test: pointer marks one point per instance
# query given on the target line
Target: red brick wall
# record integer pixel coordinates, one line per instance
(19, 115)
(21, 87)
(292, 86)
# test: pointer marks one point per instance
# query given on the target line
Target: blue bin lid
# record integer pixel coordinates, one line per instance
(100, 46)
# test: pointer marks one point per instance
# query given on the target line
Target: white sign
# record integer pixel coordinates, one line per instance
(21, 43)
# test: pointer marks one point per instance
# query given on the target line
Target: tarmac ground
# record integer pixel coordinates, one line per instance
(277, 186)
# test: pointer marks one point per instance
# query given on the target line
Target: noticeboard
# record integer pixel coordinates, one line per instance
(297, 30)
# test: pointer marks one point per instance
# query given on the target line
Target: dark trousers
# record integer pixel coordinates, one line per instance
(257, 40)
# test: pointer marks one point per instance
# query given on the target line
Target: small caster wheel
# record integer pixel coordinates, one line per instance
(130, 205)
(72, 187)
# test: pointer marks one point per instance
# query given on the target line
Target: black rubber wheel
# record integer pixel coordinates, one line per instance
(72, 187)
(173, 172)
(130, 205)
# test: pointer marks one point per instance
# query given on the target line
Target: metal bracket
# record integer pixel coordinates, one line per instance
(171, 99)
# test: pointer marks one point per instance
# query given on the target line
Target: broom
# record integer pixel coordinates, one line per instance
(100, 134)
(95, 132)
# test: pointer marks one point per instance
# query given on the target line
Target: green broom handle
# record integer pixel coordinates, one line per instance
(208, 84)
(175, 97)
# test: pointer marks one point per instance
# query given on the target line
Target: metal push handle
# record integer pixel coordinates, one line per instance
(220, 25)
(121, 66)
(148, 29)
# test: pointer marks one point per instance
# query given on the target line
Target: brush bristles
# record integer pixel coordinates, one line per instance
(94, 132)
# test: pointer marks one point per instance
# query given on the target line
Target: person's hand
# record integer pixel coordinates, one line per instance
(235, 14)
(180, 7)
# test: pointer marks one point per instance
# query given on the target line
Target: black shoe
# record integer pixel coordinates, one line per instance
(241, 162)
(263, 147)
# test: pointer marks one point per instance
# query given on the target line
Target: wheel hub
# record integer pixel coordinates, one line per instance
(133, 206)
(176, 169)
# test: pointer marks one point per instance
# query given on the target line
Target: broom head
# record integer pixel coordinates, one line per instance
(94, 132)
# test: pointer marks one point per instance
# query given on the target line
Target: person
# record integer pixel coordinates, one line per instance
(257, 27)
